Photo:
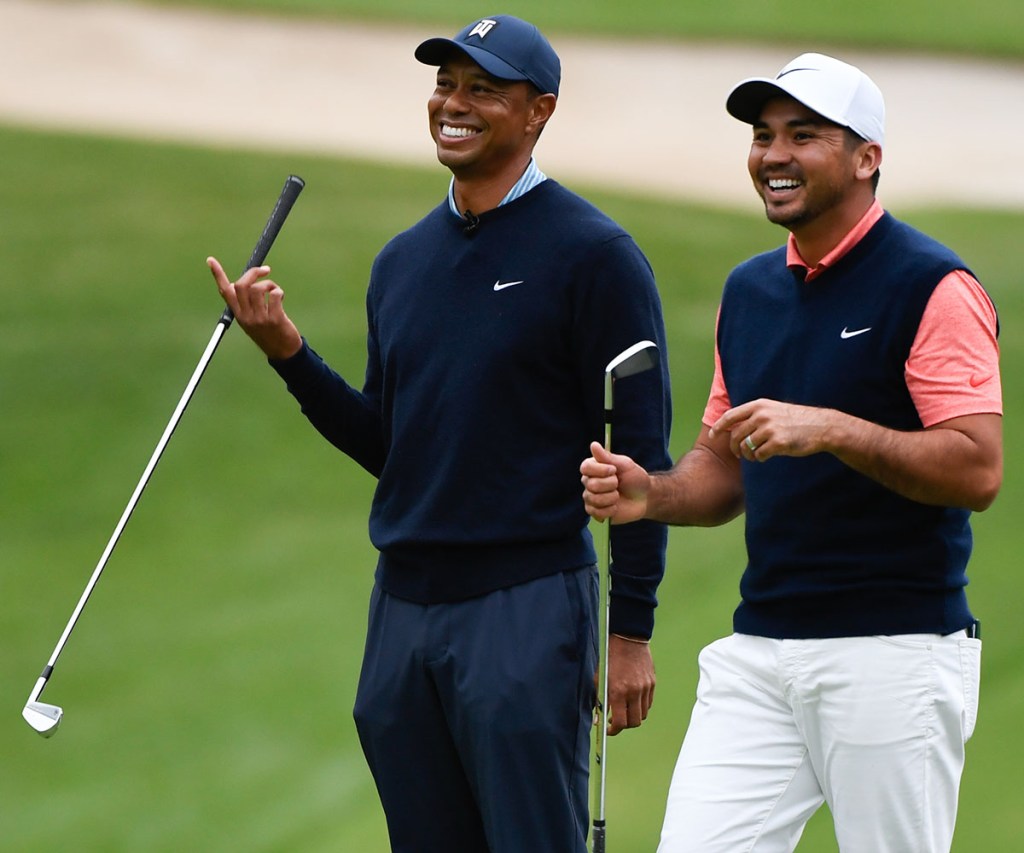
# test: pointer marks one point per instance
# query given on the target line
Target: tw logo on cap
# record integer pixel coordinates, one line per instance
(482, 28)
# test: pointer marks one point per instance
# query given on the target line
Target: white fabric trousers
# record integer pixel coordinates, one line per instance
(874, 726)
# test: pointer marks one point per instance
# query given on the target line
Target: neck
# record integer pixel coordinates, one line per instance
(480, 193)
(815, 239)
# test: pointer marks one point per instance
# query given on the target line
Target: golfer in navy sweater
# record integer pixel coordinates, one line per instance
(490, 324)
(855, 414)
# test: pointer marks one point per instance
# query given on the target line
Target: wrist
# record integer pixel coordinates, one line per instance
(640, 641)
(282, 349)
(655, 496)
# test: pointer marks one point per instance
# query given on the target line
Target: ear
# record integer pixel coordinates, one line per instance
(541, 109)
(868, 160)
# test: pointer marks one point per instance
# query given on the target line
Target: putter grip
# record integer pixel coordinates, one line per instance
(290, 192)
(599, 839)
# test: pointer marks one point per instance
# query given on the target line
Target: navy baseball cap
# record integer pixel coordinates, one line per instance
(505, 47)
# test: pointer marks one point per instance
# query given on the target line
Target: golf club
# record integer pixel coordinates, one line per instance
(46, 718)
(638, 358)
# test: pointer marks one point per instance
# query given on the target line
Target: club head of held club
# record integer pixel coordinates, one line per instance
(642, 356)
(44, 718)
(638, 358)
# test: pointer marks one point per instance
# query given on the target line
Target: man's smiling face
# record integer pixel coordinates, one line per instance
(802, 165)
(479, 123)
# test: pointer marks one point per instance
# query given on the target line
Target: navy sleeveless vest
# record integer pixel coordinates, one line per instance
(831, 552)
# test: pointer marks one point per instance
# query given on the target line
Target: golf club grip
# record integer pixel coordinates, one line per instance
(292, 187)
(598, 836)
(289, 193)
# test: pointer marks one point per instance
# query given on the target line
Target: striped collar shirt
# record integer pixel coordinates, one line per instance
(530, 178)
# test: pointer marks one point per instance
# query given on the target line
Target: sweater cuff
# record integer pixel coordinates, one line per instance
(631, 618)
(300, 366)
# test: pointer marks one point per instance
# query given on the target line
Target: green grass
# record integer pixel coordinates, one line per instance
(992, 27)
(208, 685)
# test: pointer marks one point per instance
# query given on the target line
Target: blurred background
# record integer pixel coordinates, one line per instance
(208, 686)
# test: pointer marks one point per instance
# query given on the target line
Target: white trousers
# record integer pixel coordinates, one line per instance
(874, 726)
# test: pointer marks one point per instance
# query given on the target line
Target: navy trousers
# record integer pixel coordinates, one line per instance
(475, 717)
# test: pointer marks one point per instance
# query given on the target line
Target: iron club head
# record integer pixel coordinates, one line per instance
(642, 356)
(42, 717)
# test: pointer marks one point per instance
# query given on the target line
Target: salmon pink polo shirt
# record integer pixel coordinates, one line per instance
(953, 366)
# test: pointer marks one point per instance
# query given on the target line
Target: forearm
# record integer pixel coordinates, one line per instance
(957, 463)
(341, 414)
(703, 489)
(638, 565)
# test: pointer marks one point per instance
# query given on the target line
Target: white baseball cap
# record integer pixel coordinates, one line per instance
(840, 92)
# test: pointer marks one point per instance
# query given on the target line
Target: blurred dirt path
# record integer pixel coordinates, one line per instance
(641, 116)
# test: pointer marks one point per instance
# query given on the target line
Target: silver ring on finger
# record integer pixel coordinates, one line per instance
(749, 441)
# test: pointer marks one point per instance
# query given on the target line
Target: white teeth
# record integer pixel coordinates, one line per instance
(783, 184)
(460, 132)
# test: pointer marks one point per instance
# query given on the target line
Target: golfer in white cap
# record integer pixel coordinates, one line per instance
(855, 416)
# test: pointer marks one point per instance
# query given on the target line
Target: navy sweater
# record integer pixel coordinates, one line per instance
(831, 552)
(483, 389)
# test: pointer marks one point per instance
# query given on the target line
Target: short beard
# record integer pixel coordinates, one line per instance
(829, 198)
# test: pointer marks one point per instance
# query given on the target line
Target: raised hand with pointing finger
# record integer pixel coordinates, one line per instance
(256, 302)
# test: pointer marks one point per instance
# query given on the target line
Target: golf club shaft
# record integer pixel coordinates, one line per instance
(604, 635)
(293, 186)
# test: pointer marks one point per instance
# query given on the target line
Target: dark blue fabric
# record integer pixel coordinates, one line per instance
(831, 552)
(475, 717)
(479, 404)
